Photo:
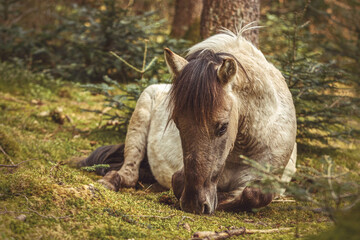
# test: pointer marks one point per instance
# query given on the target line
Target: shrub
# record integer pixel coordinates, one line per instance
(76, 47)
(314, 82)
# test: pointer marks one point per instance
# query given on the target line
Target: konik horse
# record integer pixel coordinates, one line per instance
(226, 101)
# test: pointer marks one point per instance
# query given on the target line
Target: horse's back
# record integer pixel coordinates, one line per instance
(163, 140)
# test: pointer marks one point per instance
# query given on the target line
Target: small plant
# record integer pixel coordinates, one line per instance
(316, 83)
(93, 168)
(330, 189)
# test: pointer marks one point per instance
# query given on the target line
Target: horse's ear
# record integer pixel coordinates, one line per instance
(227, 70)
(174, 62)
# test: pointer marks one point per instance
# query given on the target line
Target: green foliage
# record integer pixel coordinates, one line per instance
(77, 46)
(333, 190)
(315, 82)
(334, 193)
(89, 34)
(347, 227)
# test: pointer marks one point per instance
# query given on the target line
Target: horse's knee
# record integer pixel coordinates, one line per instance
(254, 198)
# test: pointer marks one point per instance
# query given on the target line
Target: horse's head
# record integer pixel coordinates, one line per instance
(205, 111)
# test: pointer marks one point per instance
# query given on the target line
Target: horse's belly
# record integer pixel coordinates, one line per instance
(164, 146)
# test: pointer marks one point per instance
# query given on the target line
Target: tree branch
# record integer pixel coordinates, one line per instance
(33, 211)
(3, 151)
(15, 165)
(234, 232)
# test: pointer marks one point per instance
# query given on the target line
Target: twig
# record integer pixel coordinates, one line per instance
(14, 100)
(3, 151)
(283, 200)
(124, 61)
(182, 219)
(48, 216)
(347, 208)
(148, 187)
(15, 165)
(145, 53)
(54, 167)
(10, 23)
(328, 174)
(234, 232)
(150, 216)
(144, 68)
(7, 212)
(33, 211)
(142, 185)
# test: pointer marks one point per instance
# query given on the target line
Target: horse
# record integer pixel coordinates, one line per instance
(226, 101)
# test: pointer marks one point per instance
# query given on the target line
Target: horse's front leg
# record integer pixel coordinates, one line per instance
(243, 199)
(178, 182)
(135, 146)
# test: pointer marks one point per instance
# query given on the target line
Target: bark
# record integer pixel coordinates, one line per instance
(187, 14)
(229, 14)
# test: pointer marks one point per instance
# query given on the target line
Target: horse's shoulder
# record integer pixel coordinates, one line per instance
(156, 89)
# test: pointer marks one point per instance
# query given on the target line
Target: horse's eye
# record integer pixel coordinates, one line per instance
(221, 129)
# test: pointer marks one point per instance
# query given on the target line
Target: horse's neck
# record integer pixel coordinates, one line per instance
(258, 108)
(258, 104)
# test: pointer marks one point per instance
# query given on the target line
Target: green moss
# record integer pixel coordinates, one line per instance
(19, 227)
(8, 142)
(69, 208)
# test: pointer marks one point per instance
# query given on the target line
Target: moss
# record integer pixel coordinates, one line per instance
(71, 208)
(8, 142)
(19, 227)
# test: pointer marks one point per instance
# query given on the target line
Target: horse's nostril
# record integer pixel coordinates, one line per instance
(206, 208)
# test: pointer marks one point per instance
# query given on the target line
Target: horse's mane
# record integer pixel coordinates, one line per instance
(229, 42)
(197, 90)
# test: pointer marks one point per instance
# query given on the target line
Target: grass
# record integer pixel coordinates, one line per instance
(41, 122)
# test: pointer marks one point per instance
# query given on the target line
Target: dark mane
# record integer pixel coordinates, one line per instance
(196, 90)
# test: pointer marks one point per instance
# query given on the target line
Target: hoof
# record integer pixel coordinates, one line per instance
(111, 181)
(254, 198)
(76, 162)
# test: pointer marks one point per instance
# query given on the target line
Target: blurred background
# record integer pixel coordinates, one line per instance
(316, 45)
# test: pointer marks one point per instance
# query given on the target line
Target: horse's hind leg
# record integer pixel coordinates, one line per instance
(135, 146)
(113, 155)
(289, 170)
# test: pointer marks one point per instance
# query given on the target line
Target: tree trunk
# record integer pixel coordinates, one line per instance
(229, 14)
(187, 14)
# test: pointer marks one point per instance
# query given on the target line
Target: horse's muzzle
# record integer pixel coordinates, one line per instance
(193, 200)
(200, 203)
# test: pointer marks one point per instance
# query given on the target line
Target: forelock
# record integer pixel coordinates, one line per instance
(196, 91)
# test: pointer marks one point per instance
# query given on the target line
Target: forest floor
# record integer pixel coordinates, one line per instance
(42, 126)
